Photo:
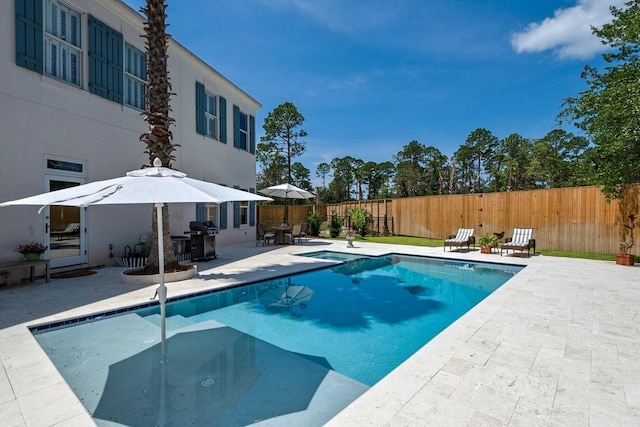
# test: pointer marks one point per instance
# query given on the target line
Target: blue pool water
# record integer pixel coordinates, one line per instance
(333, 256)
(269, 350)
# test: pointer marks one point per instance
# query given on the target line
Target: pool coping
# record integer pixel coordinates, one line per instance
(450, 378)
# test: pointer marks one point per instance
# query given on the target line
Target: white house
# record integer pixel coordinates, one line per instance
(72, 80)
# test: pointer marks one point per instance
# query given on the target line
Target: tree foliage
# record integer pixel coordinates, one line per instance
(281, 143)
(609, 110)
(608, 153)
(418, 170)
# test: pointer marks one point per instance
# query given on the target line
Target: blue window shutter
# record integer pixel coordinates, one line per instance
(115, 51)
(223, 216)
(105, 61)
(236, 211)
(223, 120)
(29, 50)
(252, 209)
(252, 135)
(201, 103)
(201, 212)
(236, 126)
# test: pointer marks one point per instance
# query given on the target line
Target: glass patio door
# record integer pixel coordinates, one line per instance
(65, 227)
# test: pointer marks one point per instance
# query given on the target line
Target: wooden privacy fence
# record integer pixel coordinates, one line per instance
(273, 215)
(576, 219)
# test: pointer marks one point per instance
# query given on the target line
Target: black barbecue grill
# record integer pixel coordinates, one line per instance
(203, 240)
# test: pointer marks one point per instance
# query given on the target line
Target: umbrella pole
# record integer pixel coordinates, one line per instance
(162, 290)
(284, 217)
(285, 221)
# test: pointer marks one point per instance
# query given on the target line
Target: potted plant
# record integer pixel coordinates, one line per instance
(350, 236)
(487, 242)
(627, 258)
(32, 251)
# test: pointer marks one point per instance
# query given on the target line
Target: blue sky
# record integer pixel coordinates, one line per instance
(369, 76)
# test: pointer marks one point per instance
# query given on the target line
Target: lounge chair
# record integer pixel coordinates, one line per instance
(463, 238)
(72, 229)
(296, 233)
(264, 236)
(520, 241)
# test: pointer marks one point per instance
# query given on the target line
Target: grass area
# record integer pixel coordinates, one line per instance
(601, 257)
(419, 241)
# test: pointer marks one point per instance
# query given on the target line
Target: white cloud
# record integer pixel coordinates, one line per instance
(568, 32)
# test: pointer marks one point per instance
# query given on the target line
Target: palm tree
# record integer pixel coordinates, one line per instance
(158, 139)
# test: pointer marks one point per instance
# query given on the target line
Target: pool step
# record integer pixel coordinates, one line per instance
(172, 323)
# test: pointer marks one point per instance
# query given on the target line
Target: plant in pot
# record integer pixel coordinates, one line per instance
(350, 237)
(32, 251)
(487, 242)
(627, 258)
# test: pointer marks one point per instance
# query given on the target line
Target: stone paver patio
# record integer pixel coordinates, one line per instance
(558, 345)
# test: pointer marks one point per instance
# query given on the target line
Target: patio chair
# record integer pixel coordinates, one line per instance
(464, 237)
(520, 241)
(296, 233)
(264, 236)
(303, 232)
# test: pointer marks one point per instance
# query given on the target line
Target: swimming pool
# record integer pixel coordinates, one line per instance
(333, 256)
(293, 350)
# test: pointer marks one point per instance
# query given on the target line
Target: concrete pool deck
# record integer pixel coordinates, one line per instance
(556, 345)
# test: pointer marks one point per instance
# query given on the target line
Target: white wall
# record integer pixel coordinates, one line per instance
(41, 116)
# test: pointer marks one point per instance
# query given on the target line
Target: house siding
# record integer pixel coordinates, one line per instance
(44, 117)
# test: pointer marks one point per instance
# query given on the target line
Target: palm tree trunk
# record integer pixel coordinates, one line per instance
(158, 138)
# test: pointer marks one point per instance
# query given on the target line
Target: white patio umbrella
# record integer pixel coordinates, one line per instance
(286, 191)
(156, 185)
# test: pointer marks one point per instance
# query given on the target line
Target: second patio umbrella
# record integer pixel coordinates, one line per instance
(286, 191)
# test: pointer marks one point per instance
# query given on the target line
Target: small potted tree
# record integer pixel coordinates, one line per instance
(487, 242)
(350, 238)
(627, 258)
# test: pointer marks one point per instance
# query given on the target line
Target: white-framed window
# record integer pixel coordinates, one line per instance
(243, 127)
(213, 213)
(62, 42)
(244, 212)
(135, 76)
(211, 115)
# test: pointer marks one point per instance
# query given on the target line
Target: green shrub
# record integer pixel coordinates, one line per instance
(315, 221)
(335, 226)
(385, 226)
(361, 220)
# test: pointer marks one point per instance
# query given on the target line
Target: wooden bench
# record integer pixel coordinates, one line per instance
(16, 265)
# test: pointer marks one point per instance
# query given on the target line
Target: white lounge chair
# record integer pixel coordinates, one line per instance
(521, 240)
(464, 237)
(73, 229)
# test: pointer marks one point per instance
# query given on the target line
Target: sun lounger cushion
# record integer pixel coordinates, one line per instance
(464, 237)
(521, 240)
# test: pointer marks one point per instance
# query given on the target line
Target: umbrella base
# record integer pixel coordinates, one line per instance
(152, 279)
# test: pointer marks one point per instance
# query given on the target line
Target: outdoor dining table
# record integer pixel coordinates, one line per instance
(280, 231)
